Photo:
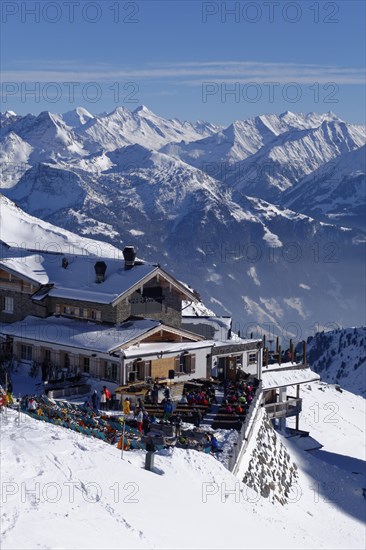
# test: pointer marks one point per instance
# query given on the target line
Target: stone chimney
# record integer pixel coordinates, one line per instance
(100, 269)
(129, 255)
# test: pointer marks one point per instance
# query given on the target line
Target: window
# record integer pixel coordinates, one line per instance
(66, 361)
(86, 364)
(111, 371)
(8, 304)
(26, 352)
(78, 312)
(131, 374)
(142, 369)
(70, 310)
(47, 355)
(252, 358)
(96, 315)
(185, 363)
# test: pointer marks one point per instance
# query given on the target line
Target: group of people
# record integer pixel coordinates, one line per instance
(88, 417)
(102, 403)
(204, 396)
(139, 414)
(238, 397)
(154, 394)
(105, 399)
(79, 417)
(209, 441)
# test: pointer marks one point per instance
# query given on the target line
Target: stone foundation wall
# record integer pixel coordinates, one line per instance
(270, 471)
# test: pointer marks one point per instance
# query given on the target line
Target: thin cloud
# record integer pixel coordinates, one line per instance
(192, 73)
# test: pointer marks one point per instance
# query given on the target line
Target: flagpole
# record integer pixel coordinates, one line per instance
(123, 435)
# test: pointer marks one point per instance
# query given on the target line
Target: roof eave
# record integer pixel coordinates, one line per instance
(157, 271)
(150, 332)
(20, 275)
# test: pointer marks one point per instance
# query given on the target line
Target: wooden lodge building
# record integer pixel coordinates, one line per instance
(115, 319)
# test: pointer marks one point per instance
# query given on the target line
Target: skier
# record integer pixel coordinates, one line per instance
(95, 400)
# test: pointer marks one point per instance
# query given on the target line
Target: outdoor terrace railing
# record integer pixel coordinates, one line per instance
(246, 429)
(291, 407)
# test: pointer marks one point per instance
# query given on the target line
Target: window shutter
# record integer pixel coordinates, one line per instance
(187, 364)
(193, 363)
(98, 315)
(177, 364)
(58, 309)
(76, 312)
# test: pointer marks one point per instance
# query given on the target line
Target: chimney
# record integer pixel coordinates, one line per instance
(129, 255)
(100, 269)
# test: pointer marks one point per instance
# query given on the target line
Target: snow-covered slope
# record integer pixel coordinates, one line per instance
(336, 192)
(62, 489)
(237, 142)
(49, 136)
(14, 159)
(19, 229)
(282, 163)
(7, 118)
(339, 356)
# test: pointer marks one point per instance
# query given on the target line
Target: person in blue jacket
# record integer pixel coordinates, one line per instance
(168, 409)
(215, 445)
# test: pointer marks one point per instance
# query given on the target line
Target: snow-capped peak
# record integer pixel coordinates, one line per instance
(142, 109)
(9, 114)
(77, 117)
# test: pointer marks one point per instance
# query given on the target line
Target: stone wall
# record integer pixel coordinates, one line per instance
(108, 312)
(270, 471)
(171, 312)
(122, 311)
(23, 306)
(171, 307)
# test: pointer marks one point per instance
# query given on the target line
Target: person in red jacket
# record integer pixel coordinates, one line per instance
(139, 417)
(107, 394)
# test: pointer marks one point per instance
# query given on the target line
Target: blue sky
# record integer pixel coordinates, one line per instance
(217, 61)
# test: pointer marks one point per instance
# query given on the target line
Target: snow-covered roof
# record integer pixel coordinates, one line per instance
(27, 267)
(287, 376)
(236, 341)
(211, 327)
(79, 334)
(165, 347)
(78, 280)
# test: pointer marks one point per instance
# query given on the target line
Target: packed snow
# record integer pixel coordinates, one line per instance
(95, 499)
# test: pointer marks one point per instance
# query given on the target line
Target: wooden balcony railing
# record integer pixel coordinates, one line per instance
(291, 407)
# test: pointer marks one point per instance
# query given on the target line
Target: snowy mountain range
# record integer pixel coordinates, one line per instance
(264, 217)
(339, 193)
(339, 357)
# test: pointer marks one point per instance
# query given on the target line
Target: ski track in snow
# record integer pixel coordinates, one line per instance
(170, 512)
